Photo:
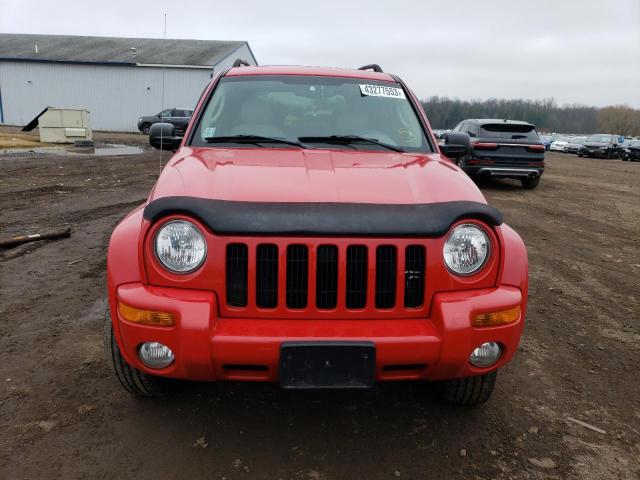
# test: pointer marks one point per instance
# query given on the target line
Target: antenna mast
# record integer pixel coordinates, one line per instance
(164, 63)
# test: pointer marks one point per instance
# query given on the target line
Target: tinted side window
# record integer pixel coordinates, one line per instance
(473, 130)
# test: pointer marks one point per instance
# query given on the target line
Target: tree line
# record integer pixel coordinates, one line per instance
(546, 115)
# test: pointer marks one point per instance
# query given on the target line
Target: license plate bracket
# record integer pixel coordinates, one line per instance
(326, 365)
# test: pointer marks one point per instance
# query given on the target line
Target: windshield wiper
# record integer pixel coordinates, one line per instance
(348, 139)
(257, 139)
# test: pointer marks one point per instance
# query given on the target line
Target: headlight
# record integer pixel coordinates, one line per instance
(466, 249)
(180, 246)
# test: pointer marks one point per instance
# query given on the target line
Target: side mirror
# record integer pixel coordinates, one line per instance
(456, 145)
(162, 136)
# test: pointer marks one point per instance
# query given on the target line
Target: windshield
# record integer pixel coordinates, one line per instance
(508, 130)
(599, 138)
(310, 108)
(561, 139)
(578, 140)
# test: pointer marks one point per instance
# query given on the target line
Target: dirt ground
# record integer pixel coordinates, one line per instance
(63, 414)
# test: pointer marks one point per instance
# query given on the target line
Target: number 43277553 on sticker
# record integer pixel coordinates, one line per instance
(381, 91)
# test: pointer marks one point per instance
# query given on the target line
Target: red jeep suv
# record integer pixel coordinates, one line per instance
(310, 231)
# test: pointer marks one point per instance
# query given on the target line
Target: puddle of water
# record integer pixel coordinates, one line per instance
(104, 150)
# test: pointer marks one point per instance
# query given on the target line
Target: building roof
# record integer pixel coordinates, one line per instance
(316, 71)
(115, 50)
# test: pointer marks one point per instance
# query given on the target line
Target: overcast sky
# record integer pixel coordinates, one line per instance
(574, 51)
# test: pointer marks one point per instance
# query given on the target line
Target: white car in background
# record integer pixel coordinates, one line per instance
(559, 143)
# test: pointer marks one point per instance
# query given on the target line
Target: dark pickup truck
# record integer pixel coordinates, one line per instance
(503, 148)
(179, 117)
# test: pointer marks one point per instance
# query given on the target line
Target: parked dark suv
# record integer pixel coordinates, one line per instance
(179, 117)
(602, 146)
(503, 148)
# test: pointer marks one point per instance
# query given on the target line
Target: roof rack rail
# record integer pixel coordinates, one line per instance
(373, 66)
(241, 63)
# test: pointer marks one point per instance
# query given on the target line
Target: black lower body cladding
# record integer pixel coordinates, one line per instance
(323, 219)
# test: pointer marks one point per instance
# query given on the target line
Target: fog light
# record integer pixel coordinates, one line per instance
(155, 355)
(485, 355)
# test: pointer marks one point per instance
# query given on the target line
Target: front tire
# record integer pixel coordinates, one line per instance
(132, 380)
(469, 391)
(145, 128)
(530, 183)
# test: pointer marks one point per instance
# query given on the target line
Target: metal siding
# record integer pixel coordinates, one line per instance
(115, 96)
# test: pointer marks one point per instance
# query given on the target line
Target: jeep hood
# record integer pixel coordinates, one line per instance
(318, 175)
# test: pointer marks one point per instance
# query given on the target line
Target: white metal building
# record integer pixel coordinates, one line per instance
(116, 79)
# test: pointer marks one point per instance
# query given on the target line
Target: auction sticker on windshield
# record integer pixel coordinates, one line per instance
(381, 91)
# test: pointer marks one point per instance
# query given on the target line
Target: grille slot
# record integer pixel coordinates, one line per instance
(414, 264)
(237, 270)
(297, 276)
(267, 276)
(356, 294)
(327, 276)
(386, 266)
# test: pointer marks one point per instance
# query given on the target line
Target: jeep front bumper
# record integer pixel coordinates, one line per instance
(210, 347)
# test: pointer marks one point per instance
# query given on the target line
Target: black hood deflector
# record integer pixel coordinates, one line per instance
(323, 219)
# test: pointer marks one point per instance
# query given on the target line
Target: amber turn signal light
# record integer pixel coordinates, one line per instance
(148, 317)
(497, 318)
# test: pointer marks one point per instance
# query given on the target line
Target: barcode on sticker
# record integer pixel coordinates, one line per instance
(381, 91)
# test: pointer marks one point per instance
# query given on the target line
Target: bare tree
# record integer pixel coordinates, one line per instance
(446, 112)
